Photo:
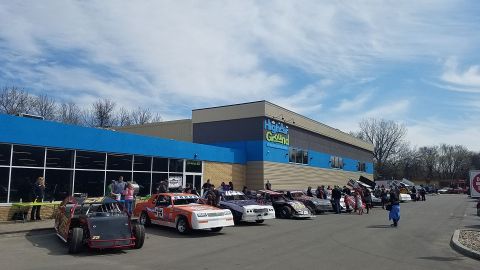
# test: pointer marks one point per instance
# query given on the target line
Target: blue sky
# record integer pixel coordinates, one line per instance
(338, 62)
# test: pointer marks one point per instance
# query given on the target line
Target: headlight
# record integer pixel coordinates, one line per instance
(202, 214)
(228, 213)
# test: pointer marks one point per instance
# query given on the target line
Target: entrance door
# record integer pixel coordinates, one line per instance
(194, 180)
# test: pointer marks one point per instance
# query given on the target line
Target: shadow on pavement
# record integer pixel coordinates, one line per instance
(378, 226)
(55, 246)
(472, 227)
(173, 233)
(441, 259)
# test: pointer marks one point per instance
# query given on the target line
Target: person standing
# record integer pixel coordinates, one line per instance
(319, 192)
(414, 194)
(358, 202)
(38, 196)
(336, 195)
(367, 198)
(422, 193)
(128, 193)
(268, 186)
(230, 184)
(394, 208)
(118, 188)
(309, 192)
(206, 186)
(383, 197)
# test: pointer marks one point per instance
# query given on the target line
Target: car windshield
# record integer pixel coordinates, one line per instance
(235, 197)
(277, 198)
(296, 194)
(186, 201)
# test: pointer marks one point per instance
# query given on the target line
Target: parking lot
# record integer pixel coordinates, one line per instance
(328, 242)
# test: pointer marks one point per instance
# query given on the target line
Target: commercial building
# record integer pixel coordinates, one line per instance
(245, 143)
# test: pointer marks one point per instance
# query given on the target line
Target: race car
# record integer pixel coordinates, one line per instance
(183, 212)
(315, 205)
(284, 207)
(98, 223)
(244, 209)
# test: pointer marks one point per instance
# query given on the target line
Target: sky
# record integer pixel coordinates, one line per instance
(337, 62)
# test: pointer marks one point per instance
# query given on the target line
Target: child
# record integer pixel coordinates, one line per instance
(128, 192)
(359, 203)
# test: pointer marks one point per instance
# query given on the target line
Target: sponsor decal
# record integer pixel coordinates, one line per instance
(276, 133)
(185, 197)
(175, 181)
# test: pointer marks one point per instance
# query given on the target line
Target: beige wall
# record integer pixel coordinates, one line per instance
(46, 211)
(218, 172)
(181, 130)
(255, 177)
(290, 176)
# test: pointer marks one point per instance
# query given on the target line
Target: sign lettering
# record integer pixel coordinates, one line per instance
(276, 132)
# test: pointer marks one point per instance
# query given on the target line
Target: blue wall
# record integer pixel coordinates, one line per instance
(20, 130)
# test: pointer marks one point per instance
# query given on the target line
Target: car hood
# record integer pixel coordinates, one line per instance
(241, 202)
(196, 207)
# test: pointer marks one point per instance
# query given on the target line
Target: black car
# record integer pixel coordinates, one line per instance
(284, 207)
(98, 223)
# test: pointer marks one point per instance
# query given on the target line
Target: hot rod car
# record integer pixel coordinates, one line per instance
(98, 223)
(183, 212)
(315, 205)
(284, 207)
(244, 209)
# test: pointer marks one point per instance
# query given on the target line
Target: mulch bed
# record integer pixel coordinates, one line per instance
(470, 239)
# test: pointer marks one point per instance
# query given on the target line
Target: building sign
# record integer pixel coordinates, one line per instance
(276, 133)
(175, 181)
(475, 184)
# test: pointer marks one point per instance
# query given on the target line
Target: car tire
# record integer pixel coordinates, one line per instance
(76, 241)
(310, 208)
(216, 229)
(182, 225)
(144, 219)
(237, 218)
(285, 212)
(139, 233)
(260, 221)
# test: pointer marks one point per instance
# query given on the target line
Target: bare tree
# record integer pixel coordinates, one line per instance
(429, 160)
(453, 161)
(14, 100)
(101, 114)
(69, 113)
(44, 106)
(124, 117)
(385, 135)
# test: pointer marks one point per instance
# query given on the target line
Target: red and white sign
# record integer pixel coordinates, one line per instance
(475, 184)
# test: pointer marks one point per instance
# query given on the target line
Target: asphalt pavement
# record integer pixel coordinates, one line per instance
(346, 241)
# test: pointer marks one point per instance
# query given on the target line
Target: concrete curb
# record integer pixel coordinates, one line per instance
(461, 248)
(39, 230)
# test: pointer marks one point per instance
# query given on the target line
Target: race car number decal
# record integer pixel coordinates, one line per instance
(159, 212)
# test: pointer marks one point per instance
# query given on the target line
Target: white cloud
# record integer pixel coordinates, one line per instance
(454, 79)
(306, 101)
(355, 104)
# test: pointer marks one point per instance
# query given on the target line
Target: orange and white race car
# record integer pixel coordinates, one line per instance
(183, 212)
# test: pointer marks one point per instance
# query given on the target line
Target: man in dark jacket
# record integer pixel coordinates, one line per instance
(38, 196)
(336, 195)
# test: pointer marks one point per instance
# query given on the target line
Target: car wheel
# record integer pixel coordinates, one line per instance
(216, 229)
(259, 221)
(76, 241)
(139, 233)
(312, 212)
(285, 212)
(144, 219)
(182, 225)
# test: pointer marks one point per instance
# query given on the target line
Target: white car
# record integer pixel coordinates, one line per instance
(244, 209)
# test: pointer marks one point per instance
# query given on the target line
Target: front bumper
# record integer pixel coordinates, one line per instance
(302, 214)
(112, 243)
(259, 216)
(323, 208)
(211, 222)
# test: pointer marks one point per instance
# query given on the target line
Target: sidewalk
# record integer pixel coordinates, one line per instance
(22, 227)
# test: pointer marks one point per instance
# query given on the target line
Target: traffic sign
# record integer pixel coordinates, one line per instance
(475, 184)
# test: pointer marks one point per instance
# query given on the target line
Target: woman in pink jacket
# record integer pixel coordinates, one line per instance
(128, 193)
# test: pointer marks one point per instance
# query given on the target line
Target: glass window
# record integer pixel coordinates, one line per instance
(293, 155)
(193, 166)
(28, 156)
(156, 178)
(119, 162)
(90, 160)
(142, 163)
(336, 162)
(299, 157)
(143, 181)
(4, 184)
(58, 158)
(176, 165)
(58, 184)
(305, 157)
(127, 176)
(160, 164)
(361, 166)
(21, 186)
(5, 154)
(89, 182)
